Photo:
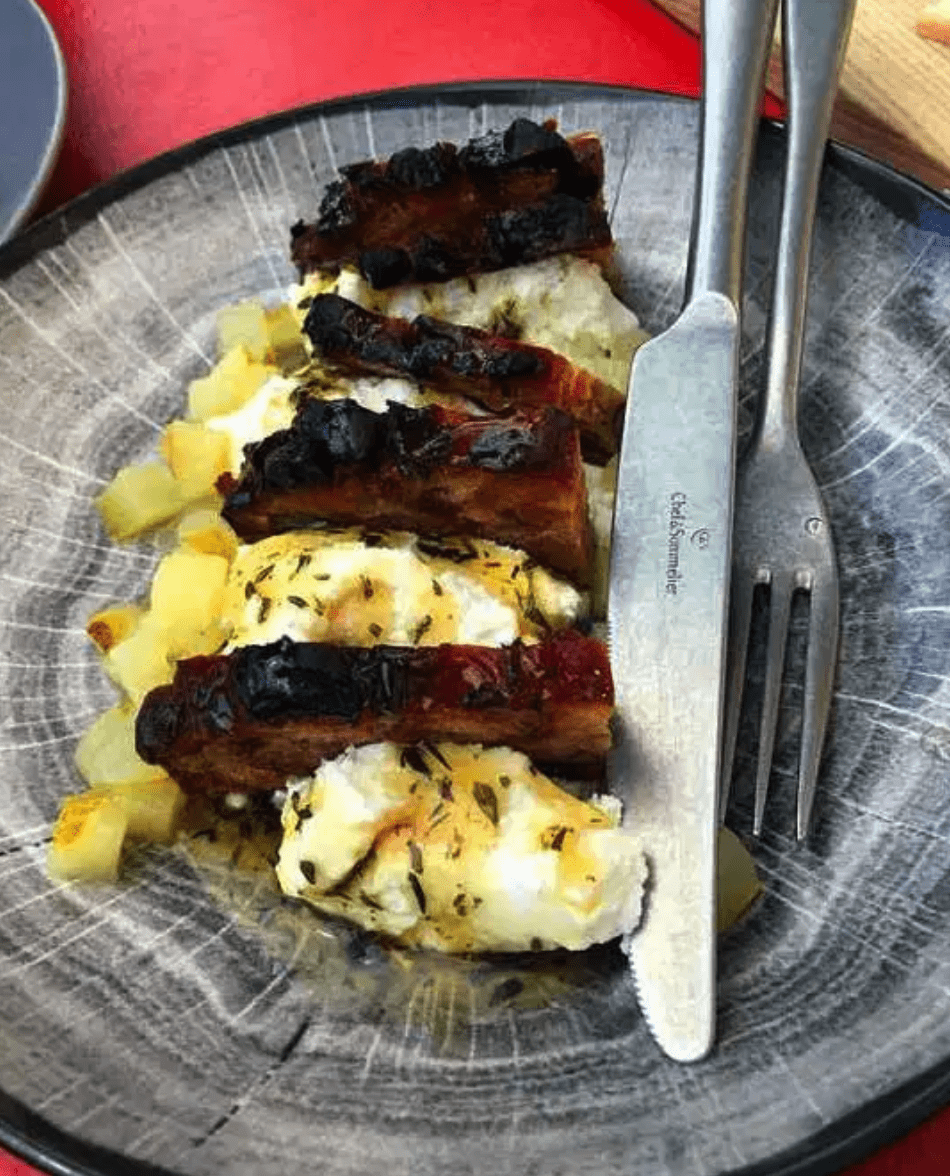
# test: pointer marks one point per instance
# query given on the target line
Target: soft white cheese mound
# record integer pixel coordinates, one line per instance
(460, 848)
(392, 589)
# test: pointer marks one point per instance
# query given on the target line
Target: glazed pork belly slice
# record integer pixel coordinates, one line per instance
(506, 198)
(497, 373)
(255, 718)
(517, 480)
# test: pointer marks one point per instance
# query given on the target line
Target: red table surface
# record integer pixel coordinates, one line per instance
(147, 75)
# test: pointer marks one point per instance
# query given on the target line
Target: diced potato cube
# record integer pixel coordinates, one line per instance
(243, 325)
(197, 456)
(206, 532)
(87, 839)
(231, 383)
(106, 756)
(141, 662)
(111, 625)
(285, 343)
(738, 883)
(139, 498)
(268, 336)
(187, 594)
(152, 807)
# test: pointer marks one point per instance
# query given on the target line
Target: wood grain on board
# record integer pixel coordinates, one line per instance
(894, 101)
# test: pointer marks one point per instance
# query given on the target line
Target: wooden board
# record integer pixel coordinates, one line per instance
(895, 89)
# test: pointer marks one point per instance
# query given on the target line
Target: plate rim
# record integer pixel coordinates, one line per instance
(846, 1140)
(31, 195)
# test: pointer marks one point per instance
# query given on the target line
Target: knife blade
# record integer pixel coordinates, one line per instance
(670, 555)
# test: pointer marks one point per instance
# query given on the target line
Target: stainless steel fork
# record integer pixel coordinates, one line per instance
(782, 536)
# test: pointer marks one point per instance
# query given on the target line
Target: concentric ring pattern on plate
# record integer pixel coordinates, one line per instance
(185, 1017)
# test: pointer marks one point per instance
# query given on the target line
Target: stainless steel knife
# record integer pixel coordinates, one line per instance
(670, 556)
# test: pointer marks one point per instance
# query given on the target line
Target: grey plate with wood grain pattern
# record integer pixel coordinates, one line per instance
(188, 1019)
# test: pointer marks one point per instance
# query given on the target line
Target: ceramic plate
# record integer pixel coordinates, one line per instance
(188, 1019)
(32, 108)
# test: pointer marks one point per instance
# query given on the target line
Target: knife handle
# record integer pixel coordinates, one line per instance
(737, 36)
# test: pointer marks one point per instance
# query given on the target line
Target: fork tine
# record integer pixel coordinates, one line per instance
(779, 608)
(819, 682)
(740, 620)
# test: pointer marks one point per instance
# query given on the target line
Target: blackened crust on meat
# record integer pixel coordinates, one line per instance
(429, 214)
(294, 704)
(516, 479)
(497, 373)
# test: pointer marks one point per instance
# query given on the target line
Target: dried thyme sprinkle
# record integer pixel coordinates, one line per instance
(486, 800)
(558, 839)
(421, 629)
(504, 781)
(297, 601)
(264, 610)
(461, 905)
(302, 562)
(309, 871)
(437, 588)
(318, 606)
(263, 573)
(445, 788)
(515, 571)
(322, 576)
(415, 857)
(376, 630)
(492, 563)
(249, 590)
(367, 584)
(433, 749)
(418, 892)
(412, 757)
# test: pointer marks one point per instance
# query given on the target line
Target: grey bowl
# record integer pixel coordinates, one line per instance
(188, 1019)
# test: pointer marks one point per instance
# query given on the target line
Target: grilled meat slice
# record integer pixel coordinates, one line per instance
(495, 372)
(426, 215)
(252, 719)
(517, 480)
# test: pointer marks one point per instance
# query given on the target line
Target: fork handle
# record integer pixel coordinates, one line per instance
(815, 35)
(736, 37)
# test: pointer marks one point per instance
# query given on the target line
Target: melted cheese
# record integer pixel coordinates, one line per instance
(460, 848)
(337, 587)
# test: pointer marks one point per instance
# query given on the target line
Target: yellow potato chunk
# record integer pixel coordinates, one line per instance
(141, 662)
(109, 626)
(243, 325)
(268, 336)
(187, 595)
(206, 532)
(152, 807)
(285, 343)
(87, 839)
(196, 455)
(737, 882)
(106, 756)
(231, 383)
(139, 498)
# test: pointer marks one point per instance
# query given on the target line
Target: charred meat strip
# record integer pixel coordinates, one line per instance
(252, 719)
(516, 480)
(495, 372)
(427, 215)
